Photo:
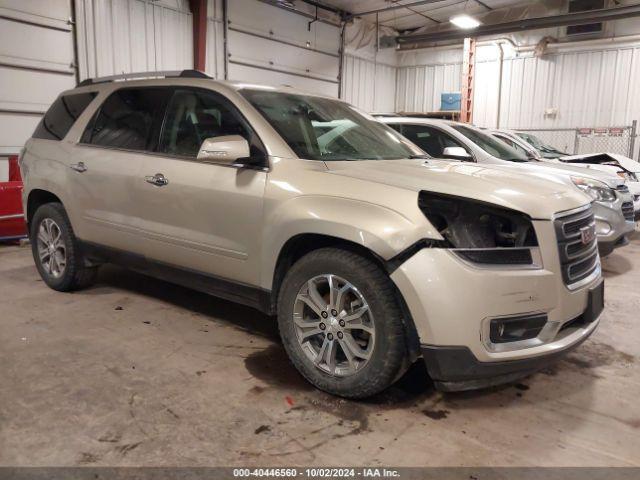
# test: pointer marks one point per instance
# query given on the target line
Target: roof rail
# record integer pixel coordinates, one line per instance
(134, 75)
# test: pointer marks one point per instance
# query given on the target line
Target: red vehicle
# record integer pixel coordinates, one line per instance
(12, 224)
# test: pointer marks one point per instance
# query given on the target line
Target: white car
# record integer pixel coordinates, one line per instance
(613, 204)
(614, 163)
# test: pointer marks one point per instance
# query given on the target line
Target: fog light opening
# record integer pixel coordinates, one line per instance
(602, 228)
(516, 329)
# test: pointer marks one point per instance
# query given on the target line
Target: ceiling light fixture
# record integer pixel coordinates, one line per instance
(464, 21)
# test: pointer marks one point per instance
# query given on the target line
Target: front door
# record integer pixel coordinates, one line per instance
(200, 216)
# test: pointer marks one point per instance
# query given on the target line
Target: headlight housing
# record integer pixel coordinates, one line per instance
(480, 232)
(597, 190)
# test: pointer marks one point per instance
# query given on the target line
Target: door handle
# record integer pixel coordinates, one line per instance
(78, 167)
(159, 180)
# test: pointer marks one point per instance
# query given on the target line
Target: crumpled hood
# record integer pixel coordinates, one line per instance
(538, 195)
(611, 179)
(604, 158)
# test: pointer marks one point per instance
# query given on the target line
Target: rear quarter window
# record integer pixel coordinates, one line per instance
(126, 117)
(62, 114)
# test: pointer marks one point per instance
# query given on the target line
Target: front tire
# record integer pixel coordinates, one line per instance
(341, 324)
(56, 251)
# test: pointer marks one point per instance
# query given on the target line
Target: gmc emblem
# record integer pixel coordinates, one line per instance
(587, 234)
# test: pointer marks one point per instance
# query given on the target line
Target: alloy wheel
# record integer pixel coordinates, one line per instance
(334, 325)
(52, 250)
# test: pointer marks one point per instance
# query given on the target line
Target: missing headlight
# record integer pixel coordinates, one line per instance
(481, 232)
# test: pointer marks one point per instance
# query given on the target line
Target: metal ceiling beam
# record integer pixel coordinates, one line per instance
(324, 6)
(393, 7)
(578, 18)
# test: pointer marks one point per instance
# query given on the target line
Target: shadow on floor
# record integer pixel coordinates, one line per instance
(271, 365)
(242, 317)
(614, 265)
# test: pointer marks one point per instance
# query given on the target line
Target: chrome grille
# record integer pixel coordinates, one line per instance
(627, 211)
(578, 259)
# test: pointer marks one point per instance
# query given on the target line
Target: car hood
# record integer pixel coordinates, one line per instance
(611, 179)
(540, 196)
(604, 158)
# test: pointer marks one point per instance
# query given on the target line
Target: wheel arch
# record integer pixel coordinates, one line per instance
(38, 197)
(302, 244)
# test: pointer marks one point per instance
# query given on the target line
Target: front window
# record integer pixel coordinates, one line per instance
(536, 143)
(195, 115)
(490, 144)
(319, 128)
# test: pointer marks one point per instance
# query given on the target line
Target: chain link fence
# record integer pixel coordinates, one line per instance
(575, 141)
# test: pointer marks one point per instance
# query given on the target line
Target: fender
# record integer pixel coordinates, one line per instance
(381, 230)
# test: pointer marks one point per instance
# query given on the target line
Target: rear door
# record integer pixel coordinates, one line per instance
(206, 217)
(106, 168)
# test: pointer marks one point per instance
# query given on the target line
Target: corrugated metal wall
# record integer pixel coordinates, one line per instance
(588, 88)
(121, 36)
(368, 84)
(215, 40)
(595, 86)
(419, 87)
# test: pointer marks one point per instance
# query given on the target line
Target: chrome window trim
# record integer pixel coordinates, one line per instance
(184, 158)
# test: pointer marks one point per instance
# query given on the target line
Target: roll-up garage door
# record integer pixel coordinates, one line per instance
(36, 64)
(270, 45)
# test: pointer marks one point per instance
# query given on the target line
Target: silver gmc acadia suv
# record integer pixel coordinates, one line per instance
(371, 253)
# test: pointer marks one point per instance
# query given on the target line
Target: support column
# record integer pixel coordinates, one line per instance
(468, 74)
(199, 13)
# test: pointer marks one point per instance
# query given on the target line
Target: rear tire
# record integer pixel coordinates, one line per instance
(351, 342)
(56, 250)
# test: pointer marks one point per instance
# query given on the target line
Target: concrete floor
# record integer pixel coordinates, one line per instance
(140, 372)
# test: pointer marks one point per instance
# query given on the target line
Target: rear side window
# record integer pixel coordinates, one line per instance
(61, 116)
(126, 118)
(431, 140)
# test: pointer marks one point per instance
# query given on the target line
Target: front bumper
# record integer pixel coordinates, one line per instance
(455, 369)
(611, 226)
(452, 303)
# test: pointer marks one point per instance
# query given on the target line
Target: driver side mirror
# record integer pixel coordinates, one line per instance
(456, 153)
(224, 150)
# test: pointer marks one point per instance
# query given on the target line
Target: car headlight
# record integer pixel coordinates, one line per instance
(597, 190)
(481, 232)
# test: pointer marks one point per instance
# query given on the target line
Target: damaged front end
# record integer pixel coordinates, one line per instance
(480, 232)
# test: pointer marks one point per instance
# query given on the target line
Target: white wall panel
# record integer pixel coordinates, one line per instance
(587, 85)
(369, 85)
(215, 40)
(419, 87)
(592, 88)
(121, 36)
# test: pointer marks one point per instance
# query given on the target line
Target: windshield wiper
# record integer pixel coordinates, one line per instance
(416, 157)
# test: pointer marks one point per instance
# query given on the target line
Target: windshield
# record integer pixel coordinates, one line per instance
(491, 145)
(323, 129)
(537, 143)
